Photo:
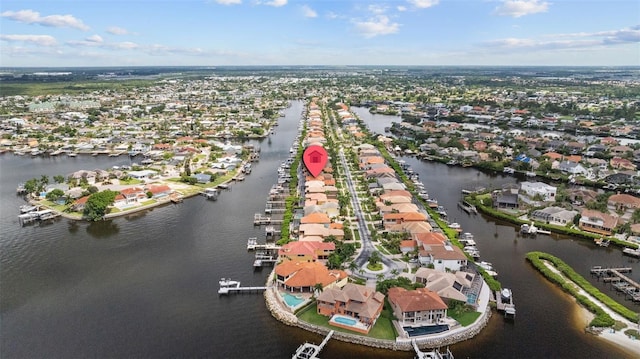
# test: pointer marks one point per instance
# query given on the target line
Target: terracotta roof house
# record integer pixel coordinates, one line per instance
(623, 203)
(133, 194)
(430, 238)
(319, 230)
(390, 219)
(410, 227)
(597, 222)
(407, 246)
(316, 217)
(306, 251)
(418, 307)
(159, 191)
(448, 285)
(297, 276)
(78, 205)
(622, 163)
(360, 302)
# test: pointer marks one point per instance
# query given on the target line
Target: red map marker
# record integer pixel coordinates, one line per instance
(315, 158)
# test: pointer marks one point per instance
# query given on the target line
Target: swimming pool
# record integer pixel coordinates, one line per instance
(426, 330)
(344, 320)
(292, 300)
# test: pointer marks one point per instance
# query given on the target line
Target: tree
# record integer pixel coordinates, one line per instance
(44, 180)
(59, 178)
(55, 195)
(97, 203)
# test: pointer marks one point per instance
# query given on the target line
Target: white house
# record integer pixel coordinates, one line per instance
(531, 189)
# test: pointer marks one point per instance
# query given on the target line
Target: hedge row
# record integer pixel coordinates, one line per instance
(602, 319)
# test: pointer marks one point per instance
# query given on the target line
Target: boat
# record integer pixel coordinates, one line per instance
(602, 242)
(530, 174)
(505, 295)
(509, 170)
(468, 207)
(528, 229)
(440, 210)
(432, 202)
(72, 154)
(423, 195)
(26, 208)
(455, 225)
(631, 252)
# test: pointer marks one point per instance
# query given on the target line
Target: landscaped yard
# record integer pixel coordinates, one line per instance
(383, 329)
(463, 316)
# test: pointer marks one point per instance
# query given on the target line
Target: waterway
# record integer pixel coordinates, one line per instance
(145, 286)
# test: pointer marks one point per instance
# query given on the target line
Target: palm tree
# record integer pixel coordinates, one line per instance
(317, 288)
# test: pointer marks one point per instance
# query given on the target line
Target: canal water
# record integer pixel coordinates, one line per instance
(145, 286)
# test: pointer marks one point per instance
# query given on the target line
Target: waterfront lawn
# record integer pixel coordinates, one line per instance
(130, 181)
(54, 206)
(464, 318)
(383, 329)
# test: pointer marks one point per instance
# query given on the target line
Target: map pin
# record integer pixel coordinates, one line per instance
(315, 158)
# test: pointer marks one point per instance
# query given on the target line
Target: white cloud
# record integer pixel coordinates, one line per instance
(570, 40)
(126, 45)
(276, 3)
(115, 30)
(379, 25)
(95, 38)
(229, 2)
(33, 17)
(518, 8)
(401, 8)
(423, 4)
(377, 9)
(309, 12)
(42, 40)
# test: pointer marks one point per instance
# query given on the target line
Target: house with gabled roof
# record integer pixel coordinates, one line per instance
(418, 307)
(448, 285)
(554, 215)
(597, 222)
(624, 205)
(357, 301)
(443, 257)
(296, 276)
(306, 251)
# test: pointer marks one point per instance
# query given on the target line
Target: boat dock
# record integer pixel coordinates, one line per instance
(228, 286)
(504, 303)
(260, 219)
(432, 354)
(468, 207)
(619, 281)
(264, 258)
(39, 215)
(311, 351)
(252, 244)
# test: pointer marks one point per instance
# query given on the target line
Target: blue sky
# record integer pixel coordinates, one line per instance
(319, 32)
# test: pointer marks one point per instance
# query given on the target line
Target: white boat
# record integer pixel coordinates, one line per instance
(492, 273)
(485, 265)
(26, 208)
(631, 252)
(455, 225)
(423, 195)
(72, 154)
(508, 170)
(530, 174)
(529, 229)
(505, 294)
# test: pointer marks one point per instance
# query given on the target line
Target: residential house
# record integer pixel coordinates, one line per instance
(159, 191)
(358, 301)
(296, 276)
(623, 205)
(573, 168)
(448, 285)
(505, 199)
(443, 257)
(306, 251)
(597, 222)
(538, 191)
(554, 215)
(418, 307)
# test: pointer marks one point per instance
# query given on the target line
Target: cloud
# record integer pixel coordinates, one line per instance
(309, 12)
(570, 40)
(276, 3)
(42, 40)
(377, 9)
(401, 8)
(115, 30)
(518, 8)
(229, 2)
(423, 4)
(379, 25)
(33, 17)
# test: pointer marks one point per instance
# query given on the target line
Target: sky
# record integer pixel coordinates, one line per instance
(70, 33)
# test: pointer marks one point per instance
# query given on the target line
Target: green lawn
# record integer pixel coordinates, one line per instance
(464, 318)
(383, 329)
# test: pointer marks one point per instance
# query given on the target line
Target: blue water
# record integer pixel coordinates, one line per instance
(292, 300)
(345, 321)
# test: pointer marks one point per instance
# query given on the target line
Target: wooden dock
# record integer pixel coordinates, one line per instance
(619, 281)
(505, 305)
(252, 244)
(311, 351)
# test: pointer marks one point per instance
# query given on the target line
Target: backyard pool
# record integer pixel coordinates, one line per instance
(292, 300)
(344, 320)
